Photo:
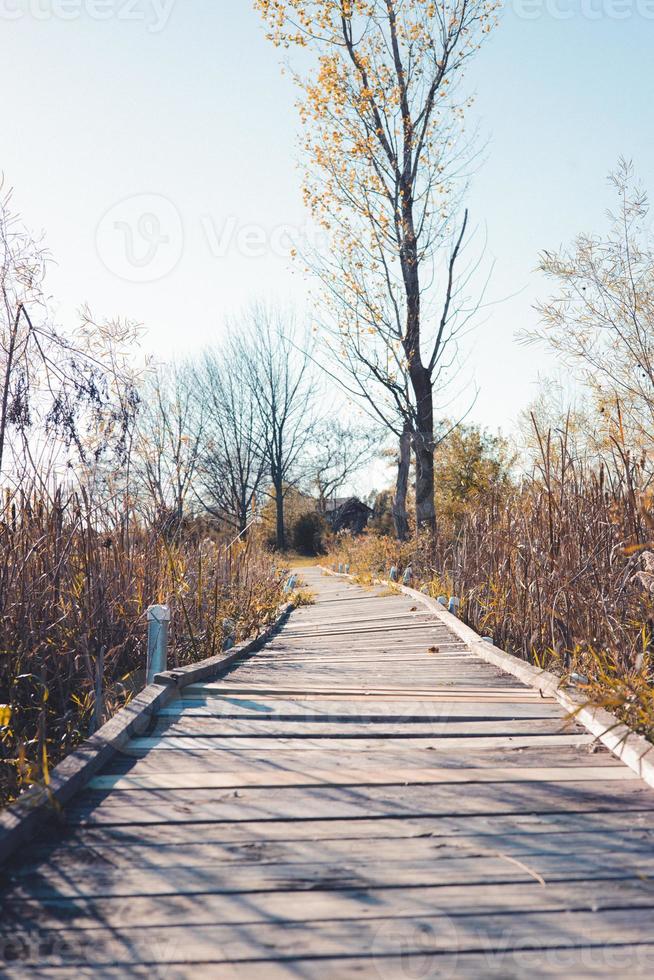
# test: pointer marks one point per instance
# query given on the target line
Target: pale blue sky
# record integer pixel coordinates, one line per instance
(182, 100)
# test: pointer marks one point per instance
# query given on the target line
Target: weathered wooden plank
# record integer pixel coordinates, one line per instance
(417, 662)
(398, 618)
(241, 878)
(214, 698)
(361, 743)
(609, 825)
(233, 760)
(432, 933)
(309, 906)
(448, 651)
(582, 962)
(142, 807)
(348, 727)
(356, 777)
(112, 856)
(366, 711)
(467, 697)
(398, 631)
(444, 695)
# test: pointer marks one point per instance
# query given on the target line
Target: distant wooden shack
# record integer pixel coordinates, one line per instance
(350, 515)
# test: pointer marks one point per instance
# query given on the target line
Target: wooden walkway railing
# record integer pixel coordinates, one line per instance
(365, 797)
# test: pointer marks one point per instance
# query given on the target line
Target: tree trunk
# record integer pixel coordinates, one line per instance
(419, 375)
(279, 512)
(400, 517)
(242, 519)
(423, 445)
(425, 509)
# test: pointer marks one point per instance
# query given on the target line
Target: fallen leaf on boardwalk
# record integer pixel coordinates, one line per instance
(433, 650)
(413, 609)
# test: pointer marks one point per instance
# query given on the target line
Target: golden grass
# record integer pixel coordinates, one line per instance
(303, 597)
(295, 560)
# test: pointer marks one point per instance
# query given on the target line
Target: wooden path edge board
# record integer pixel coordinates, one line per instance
(20, 821)
(632, 749)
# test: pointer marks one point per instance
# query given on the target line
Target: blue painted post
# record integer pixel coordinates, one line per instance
(340, 568)
(393, 574)
(229, 634)
(407, 578)
(454, 605)
(347, 569)
(442, 599)
(158, 620)
(290, 585)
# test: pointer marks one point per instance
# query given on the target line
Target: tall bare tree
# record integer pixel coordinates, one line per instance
(233, 459)
(383, 119)
(282, 383)
(601, 319)
(170, 434)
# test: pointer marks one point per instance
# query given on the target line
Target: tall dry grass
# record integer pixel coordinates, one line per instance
(554, 568)
(75, 582)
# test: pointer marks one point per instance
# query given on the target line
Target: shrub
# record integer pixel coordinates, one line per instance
(308, 534)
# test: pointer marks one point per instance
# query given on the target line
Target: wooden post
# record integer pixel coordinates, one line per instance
(158, 620)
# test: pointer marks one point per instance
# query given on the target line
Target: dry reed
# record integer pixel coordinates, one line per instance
(75, 582)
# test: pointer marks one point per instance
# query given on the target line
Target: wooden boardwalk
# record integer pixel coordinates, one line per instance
(363, 798)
